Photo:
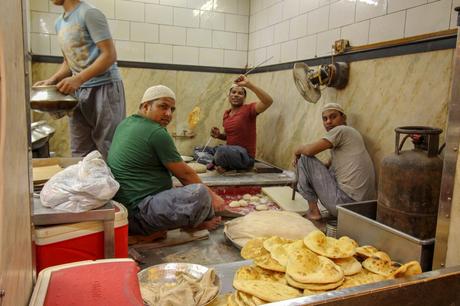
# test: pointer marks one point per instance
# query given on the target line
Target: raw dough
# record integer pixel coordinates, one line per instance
(243, 203)
(234, 204)
(261, 207)
(263, 201)
(254, 199)
(247, 196)
(199, 168)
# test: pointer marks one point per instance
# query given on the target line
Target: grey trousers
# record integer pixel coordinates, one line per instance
(94, 120)
(179, 207)
(318, 182)
(233, 158)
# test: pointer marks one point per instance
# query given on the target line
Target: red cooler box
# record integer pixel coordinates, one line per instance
(89, 283)
(65, 243)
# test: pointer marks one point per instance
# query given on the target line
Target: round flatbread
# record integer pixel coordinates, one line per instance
(258, 273)
(330, 247)
(361, 278)
(270, 243)
(254, 248)
(365, 251)
(267, 262)
(349, 265)
(408, 269)
(316, 287)
(307, 292)
(265, 290)
(380, 266)
(305, 266)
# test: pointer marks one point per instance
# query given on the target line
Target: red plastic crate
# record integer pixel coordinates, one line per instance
(66, 243)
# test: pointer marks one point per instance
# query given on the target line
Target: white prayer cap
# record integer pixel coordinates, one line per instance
(157, 92)
(332, 106)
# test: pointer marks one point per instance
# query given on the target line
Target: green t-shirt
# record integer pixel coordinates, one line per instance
(139, 150)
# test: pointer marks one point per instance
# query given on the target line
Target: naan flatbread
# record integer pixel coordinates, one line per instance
(265, 290)
(315, 287)
(349, 265)
(365, 251)
(330, 247)
(380, 266)
(361, 278)
(305, 266)
(408, 269)
(254, 248)
(267, 262)
(258, 273)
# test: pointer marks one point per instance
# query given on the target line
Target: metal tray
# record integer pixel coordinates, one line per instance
(357, 220)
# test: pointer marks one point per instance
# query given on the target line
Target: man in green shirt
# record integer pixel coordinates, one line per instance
(143, 158)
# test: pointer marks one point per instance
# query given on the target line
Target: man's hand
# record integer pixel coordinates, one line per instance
(242, 80)
(45, 82)
(69, 85)
(215, 132)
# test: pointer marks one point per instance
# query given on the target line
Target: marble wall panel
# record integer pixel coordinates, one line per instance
(381, 95)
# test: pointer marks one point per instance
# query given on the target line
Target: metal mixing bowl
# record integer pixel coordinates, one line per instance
(47, 98)
(167, 273)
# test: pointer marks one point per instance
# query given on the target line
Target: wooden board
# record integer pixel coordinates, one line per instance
(282, 195)
(43, 174)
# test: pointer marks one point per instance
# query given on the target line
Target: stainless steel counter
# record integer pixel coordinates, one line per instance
(246, 178)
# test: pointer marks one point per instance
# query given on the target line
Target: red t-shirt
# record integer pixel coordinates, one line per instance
(240, 128)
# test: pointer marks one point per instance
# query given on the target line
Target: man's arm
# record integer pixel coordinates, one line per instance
(63, 72)
(265, 100)
(314, 148)
(215, 133)
(184, 173)
(106, 58)
(187, 176)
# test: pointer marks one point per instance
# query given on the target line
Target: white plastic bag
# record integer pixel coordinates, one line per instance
(81, 187)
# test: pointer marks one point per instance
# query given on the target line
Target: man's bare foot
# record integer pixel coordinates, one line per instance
(313, 216)
(209, 224)
(220, 170)
(137, 239)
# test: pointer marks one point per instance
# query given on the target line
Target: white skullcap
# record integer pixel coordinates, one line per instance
(332, 106)
(157, 92)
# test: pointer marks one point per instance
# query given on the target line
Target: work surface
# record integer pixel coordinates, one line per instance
(214, 250)
(239, 178)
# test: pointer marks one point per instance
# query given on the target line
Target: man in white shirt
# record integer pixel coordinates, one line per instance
(350, 176)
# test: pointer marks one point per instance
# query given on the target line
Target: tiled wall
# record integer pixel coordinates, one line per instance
(232, 33)
(190, 32)
(290, 30)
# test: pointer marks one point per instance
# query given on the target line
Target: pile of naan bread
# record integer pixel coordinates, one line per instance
(285, 269)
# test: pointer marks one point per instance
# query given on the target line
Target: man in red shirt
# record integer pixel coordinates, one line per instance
(240, 127)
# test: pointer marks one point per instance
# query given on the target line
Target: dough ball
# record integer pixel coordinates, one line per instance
(263, 201)
(234, 204)
(199, 168)
(243, 203)
(254, 199)
(261, 207)
(247, 196)
(254, 203)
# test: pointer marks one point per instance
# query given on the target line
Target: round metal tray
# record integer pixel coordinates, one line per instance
(167, 273)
